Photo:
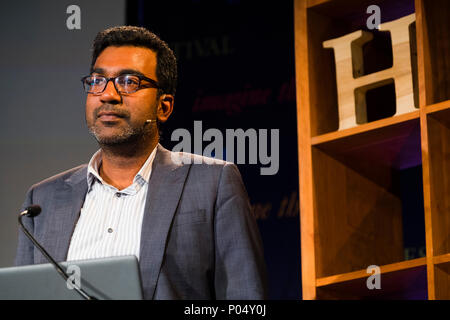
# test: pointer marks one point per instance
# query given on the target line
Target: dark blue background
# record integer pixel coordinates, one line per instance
(240, 48)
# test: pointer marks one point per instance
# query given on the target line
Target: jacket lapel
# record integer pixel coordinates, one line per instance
(164, 192)
(64, 213)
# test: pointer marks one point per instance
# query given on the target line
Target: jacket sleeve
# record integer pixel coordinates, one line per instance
(25, 248)
(240, 271)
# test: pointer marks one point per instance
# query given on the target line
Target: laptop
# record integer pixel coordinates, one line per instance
(115, 278)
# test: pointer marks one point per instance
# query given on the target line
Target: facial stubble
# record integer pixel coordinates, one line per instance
(128, 134)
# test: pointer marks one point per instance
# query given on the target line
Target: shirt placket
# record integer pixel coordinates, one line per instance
(112, 228)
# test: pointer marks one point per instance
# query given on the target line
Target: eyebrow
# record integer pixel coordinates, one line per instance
(121, 72)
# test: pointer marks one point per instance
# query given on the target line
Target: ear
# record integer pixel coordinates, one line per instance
(165, 107)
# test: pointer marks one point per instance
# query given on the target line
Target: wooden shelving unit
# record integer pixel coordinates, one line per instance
(352, 208)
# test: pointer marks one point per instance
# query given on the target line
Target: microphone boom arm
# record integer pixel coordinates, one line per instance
(49, 258)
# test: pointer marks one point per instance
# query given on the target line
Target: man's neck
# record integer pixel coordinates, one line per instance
(120, 164)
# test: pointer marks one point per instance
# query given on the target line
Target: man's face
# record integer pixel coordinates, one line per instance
(117, 118)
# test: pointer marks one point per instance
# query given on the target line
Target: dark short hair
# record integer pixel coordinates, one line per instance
(166, 66)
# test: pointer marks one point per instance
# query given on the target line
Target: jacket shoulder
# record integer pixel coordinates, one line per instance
(77, 173)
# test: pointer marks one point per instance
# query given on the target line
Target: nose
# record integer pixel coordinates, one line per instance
(110, 94)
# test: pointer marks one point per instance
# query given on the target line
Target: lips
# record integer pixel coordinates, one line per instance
(109, 116)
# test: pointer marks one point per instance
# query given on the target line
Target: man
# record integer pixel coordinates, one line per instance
(190, 225)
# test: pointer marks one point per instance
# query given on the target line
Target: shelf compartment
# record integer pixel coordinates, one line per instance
(442, 280)
(438, 125)
(389, 143)
(403, 280)
(359, 199)
(434, 50)
(332, 19)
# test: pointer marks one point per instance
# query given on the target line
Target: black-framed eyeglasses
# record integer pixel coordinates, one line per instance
(126, 83)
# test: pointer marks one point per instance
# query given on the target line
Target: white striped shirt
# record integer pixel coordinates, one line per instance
(111, 220)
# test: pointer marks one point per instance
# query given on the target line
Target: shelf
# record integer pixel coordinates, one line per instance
(441, 106)
(367, 127)
(356, 9)
(313, 3)
(439, 112)
(403, 280)
(362, 274)
(445, 258)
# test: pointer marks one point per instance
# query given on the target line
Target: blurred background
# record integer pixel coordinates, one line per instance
(236, 70)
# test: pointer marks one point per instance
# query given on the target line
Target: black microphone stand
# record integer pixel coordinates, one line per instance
(49, 258)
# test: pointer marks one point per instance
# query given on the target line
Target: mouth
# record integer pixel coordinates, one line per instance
(109, 116)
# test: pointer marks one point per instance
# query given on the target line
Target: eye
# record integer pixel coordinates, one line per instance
(128, 80)
(95, 81)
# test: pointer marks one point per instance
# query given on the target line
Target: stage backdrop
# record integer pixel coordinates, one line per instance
(42, 126)
(236, 70)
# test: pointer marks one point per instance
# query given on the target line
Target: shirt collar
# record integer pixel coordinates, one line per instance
(142, 177)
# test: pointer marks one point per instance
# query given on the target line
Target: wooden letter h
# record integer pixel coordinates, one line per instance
(352, 91)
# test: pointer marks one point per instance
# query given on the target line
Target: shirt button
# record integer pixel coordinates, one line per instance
(110, 230)
(118, 194)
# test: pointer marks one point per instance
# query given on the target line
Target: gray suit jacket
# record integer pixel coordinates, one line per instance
(199, 239)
